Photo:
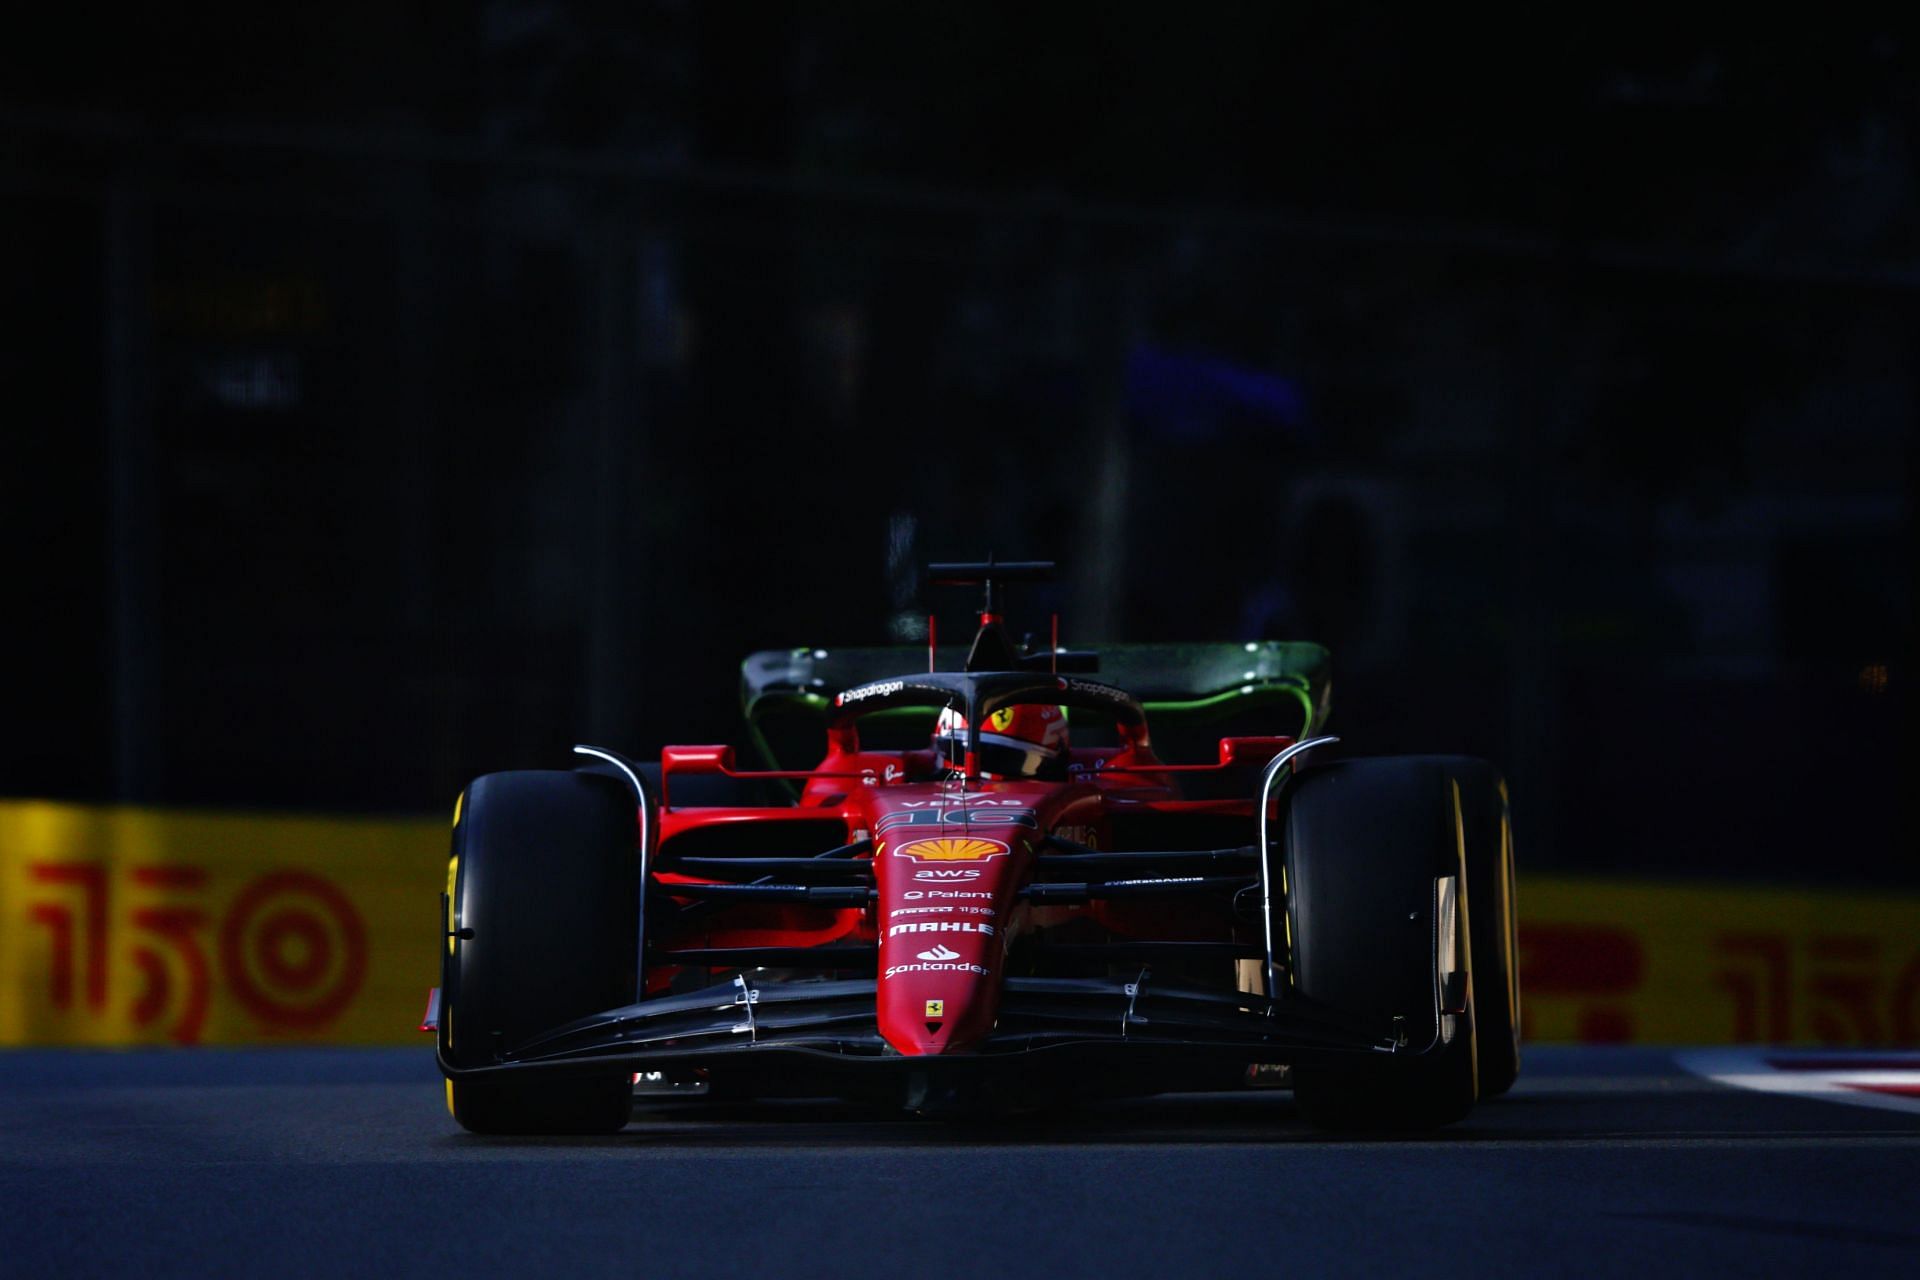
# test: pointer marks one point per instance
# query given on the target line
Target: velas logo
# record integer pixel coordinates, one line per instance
(952, 849)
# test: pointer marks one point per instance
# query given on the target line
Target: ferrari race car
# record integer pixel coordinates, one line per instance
(956, 907)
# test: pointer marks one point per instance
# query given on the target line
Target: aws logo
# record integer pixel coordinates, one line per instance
(943, 849)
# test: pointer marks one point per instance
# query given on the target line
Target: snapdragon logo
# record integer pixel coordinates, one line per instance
(865, 691)
(1106, 691)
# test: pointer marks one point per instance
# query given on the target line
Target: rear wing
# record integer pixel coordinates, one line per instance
(1191, 692)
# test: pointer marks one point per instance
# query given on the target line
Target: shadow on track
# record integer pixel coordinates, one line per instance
(1667, 1110)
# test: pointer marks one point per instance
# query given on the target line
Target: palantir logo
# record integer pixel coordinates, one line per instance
(939, 953)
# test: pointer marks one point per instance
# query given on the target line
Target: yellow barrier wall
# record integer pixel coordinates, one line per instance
(127, 926)
(1696, 964)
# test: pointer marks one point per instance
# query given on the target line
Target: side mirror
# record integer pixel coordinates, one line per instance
(715, 759)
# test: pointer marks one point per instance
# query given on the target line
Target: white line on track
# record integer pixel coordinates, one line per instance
(1887, 1081)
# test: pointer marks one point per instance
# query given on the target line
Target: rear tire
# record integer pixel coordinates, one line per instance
(543, 896)
(1365, 841)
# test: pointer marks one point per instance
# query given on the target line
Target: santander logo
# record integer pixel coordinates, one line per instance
(939, 959)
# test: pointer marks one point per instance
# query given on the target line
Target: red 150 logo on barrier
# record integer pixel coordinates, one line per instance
(1839, 989)
(290, 947)
(1833, 988)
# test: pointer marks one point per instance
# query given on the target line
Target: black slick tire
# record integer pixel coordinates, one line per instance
(543, 929)
(1365, 842)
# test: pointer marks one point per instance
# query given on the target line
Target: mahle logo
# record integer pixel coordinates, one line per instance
(952, 849)
(941, 926)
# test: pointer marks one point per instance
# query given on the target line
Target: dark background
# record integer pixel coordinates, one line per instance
(398, 393)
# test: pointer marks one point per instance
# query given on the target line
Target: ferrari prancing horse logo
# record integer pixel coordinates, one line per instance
(952, 849)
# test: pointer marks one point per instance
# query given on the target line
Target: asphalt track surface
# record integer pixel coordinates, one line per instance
(305, 1162)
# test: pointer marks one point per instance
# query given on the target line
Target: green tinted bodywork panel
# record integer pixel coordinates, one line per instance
(1192, 693)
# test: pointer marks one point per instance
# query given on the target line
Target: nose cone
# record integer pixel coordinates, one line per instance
(943, 905)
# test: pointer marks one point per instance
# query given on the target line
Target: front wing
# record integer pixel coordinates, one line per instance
(821, 1038)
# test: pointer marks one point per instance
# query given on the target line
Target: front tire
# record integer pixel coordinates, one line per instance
(1366, 842)
(543, 928)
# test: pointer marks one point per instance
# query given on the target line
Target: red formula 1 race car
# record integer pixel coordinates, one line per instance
(990, 890)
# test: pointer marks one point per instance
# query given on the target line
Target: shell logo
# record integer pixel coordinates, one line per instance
(952, 849)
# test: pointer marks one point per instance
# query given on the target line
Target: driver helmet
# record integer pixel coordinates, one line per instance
(1025, 741)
